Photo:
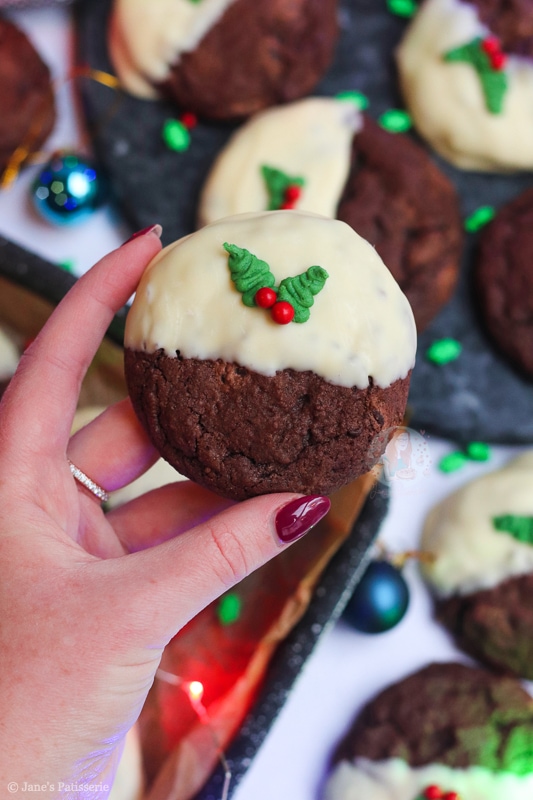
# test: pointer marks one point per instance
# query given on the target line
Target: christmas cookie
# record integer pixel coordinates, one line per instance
(466, 72)
(446, 732)
(481, 539)
(504, 281)
(27, 106)
(270, 352)
(321, 154)
(222, 58)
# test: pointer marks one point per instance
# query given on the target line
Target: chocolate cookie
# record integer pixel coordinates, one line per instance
(332, 160)
(399, 200)
(466, 73)
(27, 106)
(481, 539)
(511, 21)
(223, 60)
(453, 727)
(504, 281)
(241, 433)
(244, 401)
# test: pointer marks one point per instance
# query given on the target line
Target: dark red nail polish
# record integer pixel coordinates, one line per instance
(156, 229)
(299, 516)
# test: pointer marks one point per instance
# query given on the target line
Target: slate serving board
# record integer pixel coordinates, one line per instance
(477, 397)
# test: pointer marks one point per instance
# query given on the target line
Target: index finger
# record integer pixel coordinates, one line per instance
(53, 366)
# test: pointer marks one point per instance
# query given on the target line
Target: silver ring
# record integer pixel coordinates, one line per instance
(89, 484)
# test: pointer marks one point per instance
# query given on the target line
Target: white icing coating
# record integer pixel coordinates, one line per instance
(310, 138)
(146, 37)
(446, 99)
(470, 553)
(360, 325)
(394, 779)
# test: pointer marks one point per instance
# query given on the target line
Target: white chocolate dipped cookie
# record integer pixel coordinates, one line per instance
(469, 93)
(266, 399)
(438, 734)
(194, 53)
(323, 155)
(481, 540)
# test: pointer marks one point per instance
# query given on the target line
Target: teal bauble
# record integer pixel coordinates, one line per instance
(380, 599)
(68, 189)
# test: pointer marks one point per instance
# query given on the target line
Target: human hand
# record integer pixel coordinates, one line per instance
(89, 600)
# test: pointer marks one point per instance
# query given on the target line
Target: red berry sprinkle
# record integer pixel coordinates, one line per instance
(498, 60)
(188, 119)
(292, 193)
(490, 45)
(450, 796)
(265, 297)
(282, 312)
(433, 792)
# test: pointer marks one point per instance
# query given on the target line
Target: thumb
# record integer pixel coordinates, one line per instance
(169, 584)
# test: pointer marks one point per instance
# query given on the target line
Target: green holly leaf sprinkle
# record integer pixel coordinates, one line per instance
(300, 291)
(478, 451)
(277, 182)
(248, 273)
(442, 351)
(479, 218)
(358, 99)
(493, 81)
(402, 8)
(520, 527)
(517, 756)
(68, 266)
(175, 135)
(453, 462)
(229, 608)
(395, 120)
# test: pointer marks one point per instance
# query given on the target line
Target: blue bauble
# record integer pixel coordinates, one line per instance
(380, 599)
(68, 189)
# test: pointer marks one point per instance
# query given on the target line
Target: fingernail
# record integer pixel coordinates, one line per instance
(299, 516)
(155, 229)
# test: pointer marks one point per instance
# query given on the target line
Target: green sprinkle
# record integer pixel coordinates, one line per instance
(277, 182)
(248, 273)
(395, 120)
(520, 527)
(229, 608)
(67, 265)
(478, 451)
(359, 99)
(443, 351)
(301, 290)
(402, 8)
(493, 79)
(453, 462)
(480, 217)
(175, 135)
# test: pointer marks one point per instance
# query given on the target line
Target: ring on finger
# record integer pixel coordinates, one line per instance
(89, 484)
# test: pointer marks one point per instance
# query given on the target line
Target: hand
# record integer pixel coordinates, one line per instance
(89, 600)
